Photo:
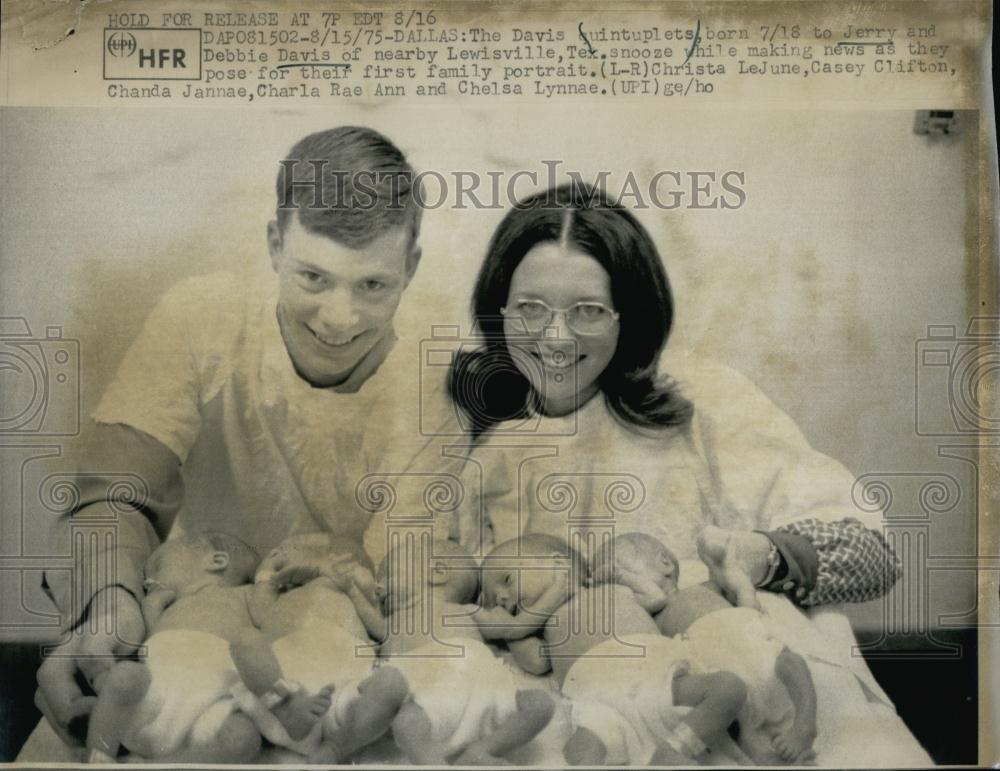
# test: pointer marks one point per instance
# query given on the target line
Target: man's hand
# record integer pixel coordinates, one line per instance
(736, 560)
(113, 629)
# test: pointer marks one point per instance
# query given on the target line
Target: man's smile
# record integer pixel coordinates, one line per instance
(333, 342)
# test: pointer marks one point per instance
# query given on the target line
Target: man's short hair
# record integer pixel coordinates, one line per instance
(350, 184)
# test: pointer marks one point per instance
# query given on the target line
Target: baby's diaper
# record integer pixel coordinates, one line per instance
(466, 691)
(191, 674)
(627, 701)
(319, 654)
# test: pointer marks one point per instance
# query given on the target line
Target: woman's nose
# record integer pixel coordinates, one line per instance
(557, 328)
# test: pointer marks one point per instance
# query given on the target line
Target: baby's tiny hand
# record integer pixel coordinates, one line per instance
(292, 577)
(363, 579)
(341, 581)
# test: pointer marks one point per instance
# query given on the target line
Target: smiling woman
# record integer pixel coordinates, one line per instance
(564, 247)
(575, 311)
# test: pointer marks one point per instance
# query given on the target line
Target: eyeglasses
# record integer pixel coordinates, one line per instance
(584, 318)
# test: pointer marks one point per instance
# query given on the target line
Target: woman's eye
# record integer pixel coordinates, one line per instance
(590, 311)
(531, 310)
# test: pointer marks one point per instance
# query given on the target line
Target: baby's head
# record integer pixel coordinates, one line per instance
(517, 572)
(414, 569)
(641, 563)
(190, 562)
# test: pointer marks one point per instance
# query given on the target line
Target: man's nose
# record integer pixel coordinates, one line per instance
(336, 310)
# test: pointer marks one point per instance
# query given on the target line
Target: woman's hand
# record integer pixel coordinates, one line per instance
(736, 560)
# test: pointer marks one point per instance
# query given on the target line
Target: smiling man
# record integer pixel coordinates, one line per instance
(256, 407)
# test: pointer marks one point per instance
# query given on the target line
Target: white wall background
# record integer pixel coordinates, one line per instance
(850, 244)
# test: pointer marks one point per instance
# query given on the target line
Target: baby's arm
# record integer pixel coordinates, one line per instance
(156, 601)
(499, 624)
(370, 615)
(260, 599)
(796, 743)
(529, 654)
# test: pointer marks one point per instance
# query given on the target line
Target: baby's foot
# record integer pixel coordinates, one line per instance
(299, 712)
(476, 755)
(98, 756)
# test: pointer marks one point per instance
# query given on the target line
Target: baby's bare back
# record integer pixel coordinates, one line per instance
(318, 600)
(411, 628)
(219, 610)
(688, 605)
(591, 617)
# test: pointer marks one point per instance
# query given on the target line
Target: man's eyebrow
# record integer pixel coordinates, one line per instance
(311, 266)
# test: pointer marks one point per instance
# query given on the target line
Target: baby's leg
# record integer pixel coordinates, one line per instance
(238, 741)
(715, 698)
(370, 715)
(535, 708)
(125, 686)
(260, 671)
(414, 734)
(585, 748)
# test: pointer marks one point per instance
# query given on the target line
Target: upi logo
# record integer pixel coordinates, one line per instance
(121, 44)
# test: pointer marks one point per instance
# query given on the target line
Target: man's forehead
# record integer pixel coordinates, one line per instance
(386, 252)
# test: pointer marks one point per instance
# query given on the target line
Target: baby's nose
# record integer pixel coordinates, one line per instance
(503, 599)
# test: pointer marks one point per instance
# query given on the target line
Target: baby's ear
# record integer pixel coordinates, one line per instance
(439, 573)
(218, 561)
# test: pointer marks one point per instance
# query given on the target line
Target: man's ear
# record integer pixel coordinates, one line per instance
(412, 260)
(439, 574)
(275, 242)
(218, 561)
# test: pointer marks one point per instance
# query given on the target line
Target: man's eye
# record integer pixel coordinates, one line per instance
(374, 285)
(310, 276)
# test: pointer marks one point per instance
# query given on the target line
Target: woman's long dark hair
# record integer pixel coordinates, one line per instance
(487, 385)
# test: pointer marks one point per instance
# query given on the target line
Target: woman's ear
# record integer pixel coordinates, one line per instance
(218, 561)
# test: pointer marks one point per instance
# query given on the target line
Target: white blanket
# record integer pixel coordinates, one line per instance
(857, 725)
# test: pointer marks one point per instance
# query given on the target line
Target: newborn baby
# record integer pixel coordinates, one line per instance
(313, 639)
(778, 721)
(462, 703)
(175, 705)
(636, 700)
